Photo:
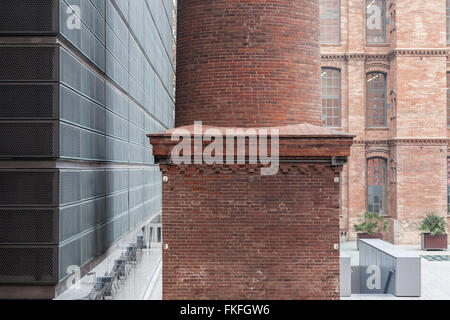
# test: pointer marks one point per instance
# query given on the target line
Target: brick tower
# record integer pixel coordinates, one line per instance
(230, 232)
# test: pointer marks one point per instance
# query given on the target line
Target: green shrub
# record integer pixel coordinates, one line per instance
(434, 224)
(371, 222)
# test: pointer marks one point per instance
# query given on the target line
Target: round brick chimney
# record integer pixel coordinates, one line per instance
(248, 63)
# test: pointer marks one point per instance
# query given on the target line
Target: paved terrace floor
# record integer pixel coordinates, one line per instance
(435, 274)
(143, 283)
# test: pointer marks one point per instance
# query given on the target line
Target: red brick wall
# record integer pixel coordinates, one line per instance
(234, 234)
(248, 63)
(415, 60)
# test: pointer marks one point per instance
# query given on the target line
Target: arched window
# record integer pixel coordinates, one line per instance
(330, 21)
(376, 99)
(331, 97)
(377, 185)
(376, 21)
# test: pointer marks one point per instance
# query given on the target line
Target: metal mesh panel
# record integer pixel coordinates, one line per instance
(69, 222)
(70, 141)
(70, 187)
(28, 265)
(28, 139)
(93, 145)
(70, 105)
(116, 180)
(28, 226)
(100, 237)
(28, 63)
(93, 213)
(136, 178)
(28, 16)
(116, 204)
(28, 188)
(136, 196)
(69, 255)
(22, 101)
(88, 247)
(93, 184)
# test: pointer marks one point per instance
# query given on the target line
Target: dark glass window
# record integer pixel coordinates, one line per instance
(376, 99)
(376, 21)
(330, 21)
(331, 97)
(377, 185)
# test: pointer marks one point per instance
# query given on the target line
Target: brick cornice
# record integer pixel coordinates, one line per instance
(417, 52)
(393, 54)
(402, 142)
(334, 57)
(428, 142)
(249, 169)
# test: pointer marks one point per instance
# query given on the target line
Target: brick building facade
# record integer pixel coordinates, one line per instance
(384, 79)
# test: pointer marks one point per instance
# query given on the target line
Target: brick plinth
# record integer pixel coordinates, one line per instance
(234, 234)
(248, 63)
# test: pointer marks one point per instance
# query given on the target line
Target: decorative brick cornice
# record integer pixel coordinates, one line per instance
(427, 142)
(393, 54)
(250, 169)
(334, 57)
(371, 142)
(402, 142)
(417, 52)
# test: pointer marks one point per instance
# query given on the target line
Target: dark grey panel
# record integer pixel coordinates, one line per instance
(28, 188)
(29, 139)
(28, 265)
(29, 63)
(28, 226)
(28, 101)
(29, 16)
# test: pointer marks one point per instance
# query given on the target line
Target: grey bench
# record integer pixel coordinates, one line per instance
(386, 269)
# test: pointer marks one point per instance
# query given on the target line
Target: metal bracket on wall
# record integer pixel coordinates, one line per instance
(338, 161)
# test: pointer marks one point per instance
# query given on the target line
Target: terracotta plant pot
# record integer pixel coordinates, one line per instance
(368, 236)
(430, 242)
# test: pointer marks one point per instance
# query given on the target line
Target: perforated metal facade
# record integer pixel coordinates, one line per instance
(86, 97)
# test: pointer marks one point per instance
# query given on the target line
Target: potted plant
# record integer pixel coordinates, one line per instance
(434, 236)
(370, 226)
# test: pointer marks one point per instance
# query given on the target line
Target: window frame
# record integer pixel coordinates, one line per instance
(325, 115)
(383, 22)
(384, 167)
(447, 15)
(338, 21)
(385, 105)
(448, 98)
(448, 186)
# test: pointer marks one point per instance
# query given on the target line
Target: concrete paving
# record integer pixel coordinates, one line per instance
(143, 283)
(435, 274)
